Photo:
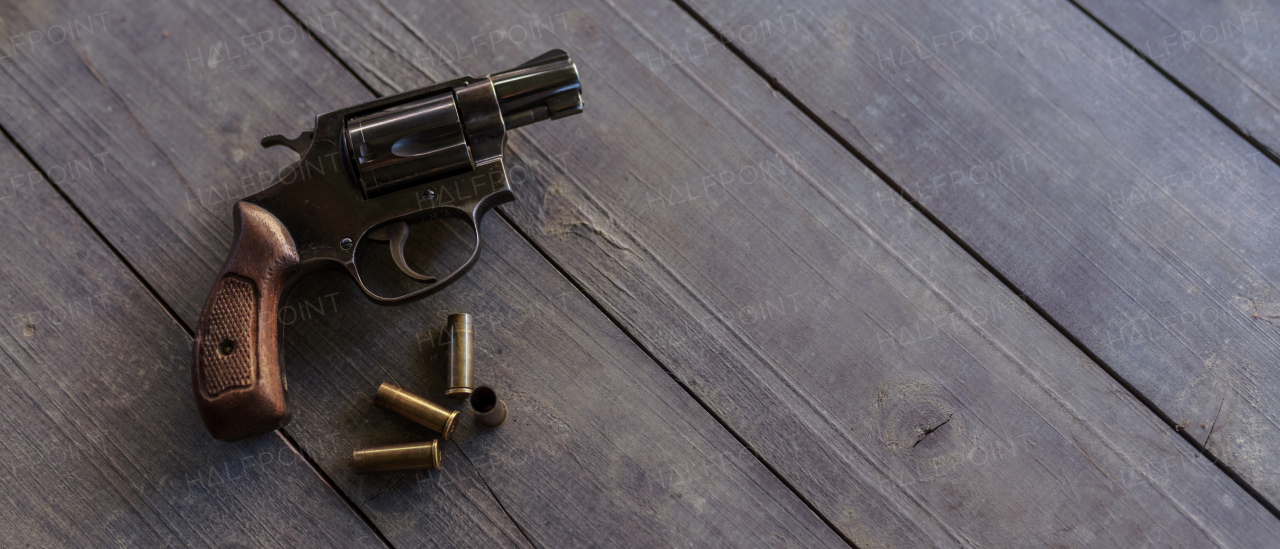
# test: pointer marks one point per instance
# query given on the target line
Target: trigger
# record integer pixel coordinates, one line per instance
(397, 233)
(298, 144)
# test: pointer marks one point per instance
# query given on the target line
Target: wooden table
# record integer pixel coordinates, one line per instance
(877, 273)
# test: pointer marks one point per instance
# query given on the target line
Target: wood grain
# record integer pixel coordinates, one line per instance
(1126, 211)
(100, 445)
(1223, 52)
(601, 445)
(240, 393)
(879, 369)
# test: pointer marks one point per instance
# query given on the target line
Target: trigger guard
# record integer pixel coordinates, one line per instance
(397, 233)
(432, 287)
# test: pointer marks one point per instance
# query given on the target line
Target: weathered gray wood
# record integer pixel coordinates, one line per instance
(891, 380)
(99, 441)
(1131, 215)
(602, 444)
(1224, 52)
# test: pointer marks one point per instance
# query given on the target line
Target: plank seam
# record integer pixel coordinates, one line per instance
(774, 83)
(284, 434)
(101, 237)
(494, 495)
(325, 46)
(577, 286)
(1265, 150)
(178, 320)
(599, 306)
(670, 373)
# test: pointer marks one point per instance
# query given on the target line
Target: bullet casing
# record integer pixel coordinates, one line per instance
(397, 457)
(460, 384)
(417, 409)
(490, 411)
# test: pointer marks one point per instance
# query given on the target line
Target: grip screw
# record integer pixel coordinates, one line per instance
(346, 243)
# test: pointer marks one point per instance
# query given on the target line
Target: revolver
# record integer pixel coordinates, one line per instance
(364, 174)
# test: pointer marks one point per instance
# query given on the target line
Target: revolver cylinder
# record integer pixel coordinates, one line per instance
(427, 139)
(402, 145)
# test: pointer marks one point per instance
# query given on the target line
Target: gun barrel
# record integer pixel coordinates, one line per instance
(546, 87)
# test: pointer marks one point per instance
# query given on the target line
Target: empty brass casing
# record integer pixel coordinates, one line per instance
(397, 457)
(459, 356)
(417, 409)
(489, 410)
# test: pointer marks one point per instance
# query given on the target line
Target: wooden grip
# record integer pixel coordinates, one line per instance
(236, 375)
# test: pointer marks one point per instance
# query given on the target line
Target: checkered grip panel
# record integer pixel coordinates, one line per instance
(228, 343)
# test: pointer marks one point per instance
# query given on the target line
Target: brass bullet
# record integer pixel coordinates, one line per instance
(459, 356)
(489, 410)
(416, 408)
(397, 457)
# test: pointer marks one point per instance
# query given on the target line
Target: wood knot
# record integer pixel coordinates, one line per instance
(917, 419)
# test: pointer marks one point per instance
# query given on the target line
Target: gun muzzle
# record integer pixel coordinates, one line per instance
(546, 87)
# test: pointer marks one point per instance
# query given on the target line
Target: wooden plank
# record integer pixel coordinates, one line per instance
(1125, 210)
(897, 385)
(1222, 51)
(99, 441)
(602, 444)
